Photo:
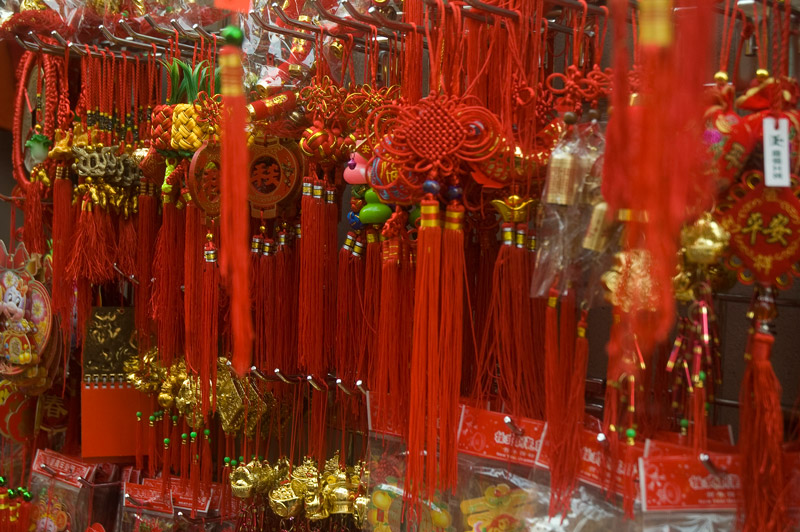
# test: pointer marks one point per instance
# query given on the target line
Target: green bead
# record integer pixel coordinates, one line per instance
(413, 215)
(684, 423)
(27, 497)
(227, 460)
(703, 376)
(152, 418)
(11, 493)
(184, 436)
(166, 441)
(260, 458)
(241, 459)
(2, 481)
(193, 434)
(234, 463)
(138, 414)
(374, 212)
(174, 419)
(630, 433)
(207, 432)
(233, 35)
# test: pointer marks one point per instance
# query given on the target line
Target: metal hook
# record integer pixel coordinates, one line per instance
(505, 13)
(67, 44)
(163, 43)
(602, 439)
(709, 464)
(513, 426)
(393, 24)
(204, 32)
(183, 32)
(254, 370)
(43, 46)
(281, 377)
(292, 22)
(130, 278)
(313, 383)
(134, 500)
(277, 29)
(30, 47)
(360, 386)
(342, 387)
(47, 469)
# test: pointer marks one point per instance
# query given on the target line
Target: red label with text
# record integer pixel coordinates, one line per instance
(486, 434)
(684, 483)
(63, 468)
(148, 498)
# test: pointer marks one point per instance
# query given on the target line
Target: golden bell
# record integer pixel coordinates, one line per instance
(704, 240)
(562, 176)
(599, 230)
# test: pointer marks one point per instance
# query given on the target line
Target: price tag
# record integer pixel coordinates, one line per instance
(776, 152)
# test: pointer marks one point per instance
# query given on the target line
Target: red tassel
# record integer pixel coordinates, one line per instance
(192, 286)
(139, 442)
(421, 472)
(151, 447)
(285, 303)
(348, 324)
(234, 263)
(167, 296)
(24, 514)
(90, 258)
(330, 266)
(33, 231)
(194, 473)
(698, 399)
(225, 498)
(311, 285)
(166, 470)
(146, 220)
(184, 458)
(372, 301)
(630, 469)
(764, 505)
(209, 325)
(451, 331)
(126, 245)
(269, 325)
(205, 475)
(63, 287)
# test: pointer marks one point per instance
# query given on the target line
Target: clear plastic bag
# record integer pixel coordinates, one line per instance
(60, 492)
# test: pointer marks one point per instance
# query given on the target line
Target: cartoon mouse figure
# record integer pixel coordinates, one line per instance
(14, 301)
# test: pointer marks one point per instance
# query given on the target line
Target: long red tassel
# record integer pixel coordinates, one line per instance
(166, 469)
(451, 332)
(311, 288)
(146, 230)
(63, 288)
(126, 244)
(267, 294)
(167, 297)
(330, 266)
(258, 301)
(139, 442)
(420, 472)
(184, 458)
(209, 323)
(234, 263)
(285, 295)
(764, 505)
(34, 225)
(90, 258)
(372, 301)
(205, 473)
(348, 301)
(390, 365)
(192, 287)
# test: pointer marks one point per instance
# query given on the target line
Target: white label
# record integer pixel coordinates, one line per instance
(776, 152)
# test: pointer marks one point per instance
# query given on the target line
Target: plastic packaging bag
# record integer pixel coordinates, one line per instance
(60, 492)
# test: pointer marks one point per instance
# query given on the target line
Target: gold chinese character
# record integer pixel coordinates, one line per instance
(755, 225)
(777, 230)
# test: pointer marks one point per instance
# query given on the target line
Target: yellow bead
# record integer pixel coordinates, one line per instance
(762, 73)
(721, 77)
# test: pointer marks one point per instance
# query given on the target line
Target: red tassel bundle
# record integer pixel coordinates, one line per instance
(33, 230)
(310, 332)
(421, 469)
(451, 331)
(234, 210)
(192, 284)
(349, 328)
(330, 264)
(125, 256)
(146, 230)
(63, 288)
(372, 300)
(764, 506)
(209, 325)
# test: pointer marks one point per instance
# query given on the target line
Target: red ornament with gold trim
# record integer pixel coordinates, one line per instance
(764, 223)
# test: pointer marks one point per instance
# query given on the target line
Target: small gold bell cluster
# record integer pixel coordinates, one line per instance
(304, 490)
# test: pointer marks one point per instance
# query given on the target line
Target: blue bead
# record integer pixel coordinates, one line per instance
(431, 187)
(454, 193)
(354, 220)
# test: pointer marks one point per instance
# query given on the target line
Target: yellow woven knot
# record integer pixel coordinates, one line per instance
(187, 133)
